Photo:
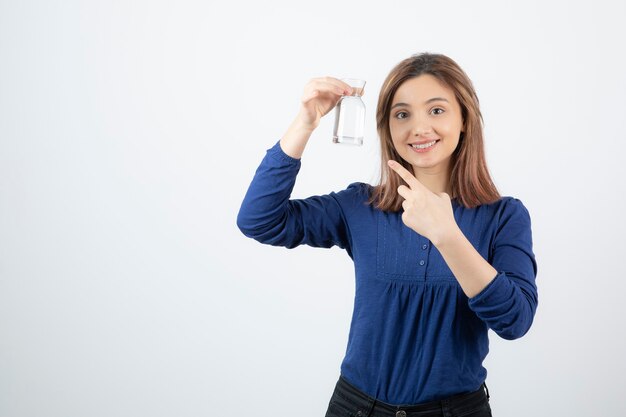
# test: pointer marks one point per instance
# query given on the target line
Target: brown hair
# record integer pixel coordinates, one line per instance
(470, 182)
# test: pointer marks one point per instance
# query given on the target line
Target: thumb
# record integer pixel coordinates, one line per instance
(311, 96)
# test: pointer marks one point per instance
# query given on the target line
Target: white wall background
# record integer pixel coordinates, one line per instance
(130, 130)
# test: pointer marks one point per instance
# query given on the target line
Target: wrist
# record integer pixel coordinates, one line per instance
(449, 237)
(295, 139)
(300, 125)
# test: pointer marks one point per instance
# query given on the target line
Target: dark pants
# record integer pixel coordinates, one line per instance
(348, 401)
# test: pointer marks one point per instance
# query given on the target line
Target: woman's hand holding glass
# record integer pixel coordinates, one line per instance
(320, 96)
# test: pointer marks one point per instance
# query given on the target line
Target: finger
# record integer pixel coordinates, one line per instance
(406, 205)
(404, 191)
(311, 96)
(357, 90)
(405, 175)
(334, 85)
(349, 90)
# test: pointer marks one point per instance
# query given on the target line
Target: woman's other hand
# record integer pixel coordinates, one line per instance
(427, 213)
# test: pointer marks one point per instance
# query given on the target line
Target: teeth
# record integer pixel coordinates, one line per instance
(425, 145)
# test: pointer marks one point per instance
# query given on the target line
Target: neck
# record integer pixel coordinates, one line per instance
(436, 180)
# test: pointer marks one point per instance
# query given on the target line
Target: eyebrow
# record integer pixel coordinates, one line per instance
(430, 100)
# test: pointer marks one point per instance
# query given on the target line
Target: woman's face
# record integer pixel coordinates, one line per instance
(424, 110)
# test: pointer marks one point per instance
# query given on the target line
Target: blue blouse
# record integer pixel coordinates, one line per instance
(414, 336)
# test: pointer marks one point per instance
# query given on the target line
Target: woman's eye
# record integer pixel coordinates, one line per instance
(399, 114)
(438, 110)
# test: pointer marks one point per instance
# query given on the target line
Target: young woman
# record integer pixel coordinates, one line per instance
(440, 257)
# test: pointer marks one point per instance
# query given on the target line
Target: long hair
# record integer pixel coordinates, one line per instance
(470, 182)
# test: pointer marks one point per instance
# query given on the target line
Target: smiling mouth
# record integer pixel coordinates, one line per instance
(424, 145)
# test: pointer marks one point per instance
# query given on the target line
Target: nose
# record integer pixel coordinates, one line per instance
(421, 126)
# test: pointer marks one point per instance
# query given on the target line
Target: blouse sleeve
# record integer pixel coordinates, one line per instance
(268, 215)
(508, 304)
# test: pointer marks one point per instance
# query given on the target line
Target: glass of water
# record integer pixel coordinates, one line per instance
(350, 115)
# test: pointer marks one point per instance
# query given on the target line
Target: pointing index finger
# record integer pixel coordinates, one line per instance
(405, 174)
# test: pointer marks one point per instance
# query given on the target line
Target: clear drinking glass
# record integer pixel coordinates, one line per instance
(350, 115)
